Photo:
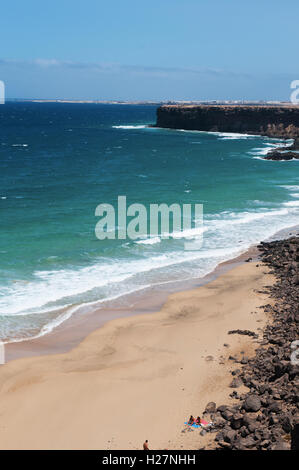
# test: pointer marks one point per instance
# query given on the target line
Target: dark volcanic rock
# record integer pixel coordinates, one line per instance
(229, 436)
(236, 382)
(276, 155)
(252, 403)
(275, 407)
(273, 121)
(247, 442)
(266, 417)
(211, 407)
(295, 437)
(236, 421)
(280, 445)
(243, 332)
(295, 145)
(286, 424)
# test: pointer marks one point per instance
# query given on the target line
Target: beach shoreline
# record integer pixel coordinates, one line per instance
(71, 332)
(149, 371)
(137, 370)
(140, 369)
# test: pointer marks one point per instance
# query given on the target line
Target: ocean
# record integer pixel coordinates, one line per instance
(59, 161)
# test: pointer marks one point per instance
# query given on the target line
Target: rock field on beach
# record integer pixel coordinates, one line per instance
(266, 417)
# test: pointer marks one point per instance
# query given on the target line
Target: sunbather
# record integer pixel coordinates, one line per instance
(191, 420)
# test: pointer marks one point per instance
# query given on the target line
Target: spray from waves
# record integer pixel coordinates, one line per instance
(220, 135)
(130, 127)
(259, 152)
(292, 190)
(186, 234)
(67, 285)
(149, 241)
(277, 161)
(233, 136)
(291, 203)
(227, 219)
(290, 187)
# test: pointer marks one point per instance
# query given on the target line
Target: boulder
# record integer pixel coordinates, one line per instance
(236, 382)
(247, 442)
(236, 421)
(229, 436)
(252, 403)
(210, 407)
(274, 407)
(280, 445)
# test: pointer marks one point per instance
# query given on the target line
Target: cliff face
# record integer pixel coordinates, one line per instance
(271, 121)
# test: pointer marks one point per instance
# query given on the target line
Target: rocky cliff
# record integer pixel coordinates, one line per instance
(271, 121)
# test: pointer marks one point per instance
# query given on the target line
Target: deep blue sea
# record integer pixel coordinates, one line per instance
(59, 161)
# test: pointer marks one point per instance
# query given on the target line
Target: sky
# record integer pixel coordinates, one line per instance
(149, 50)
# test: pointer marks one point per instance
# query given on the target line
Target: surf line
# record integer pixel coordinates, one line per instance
(163, 219)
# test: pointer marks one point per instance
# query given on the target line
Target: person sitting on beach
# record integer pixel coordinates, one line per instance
(145, 445)
(191, 420)
(198, 420)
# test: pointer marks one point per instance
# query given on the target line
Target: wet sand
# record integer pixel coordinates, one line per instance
(71, 332)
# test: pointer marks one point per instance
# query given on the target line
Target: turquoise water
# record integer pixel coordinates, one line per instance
(59, 161)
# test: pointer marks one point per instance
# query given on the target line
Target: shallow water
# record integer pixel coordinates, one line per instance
(59, 161)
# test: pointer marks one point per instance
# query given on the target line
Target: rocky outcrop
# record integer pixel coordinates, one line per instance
(271, 121)
(278, 155)
(267, 416)
(295, 145)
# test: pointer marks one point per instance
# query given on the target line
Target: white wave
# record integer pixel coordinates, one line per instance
(63, 287)
(233, 136)
(291, 203)
(130, 127)
(47, 328)
(294, 194)
(260, 150)
(226, 235)
(225, 135)
(149, 241)
(19, 145)
(290, 187)
(187, 233)
(286, 143)
(232, 218)
(51, 289)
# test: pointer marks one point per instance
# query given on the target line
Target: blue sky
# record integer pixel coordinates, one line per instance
(157, 49)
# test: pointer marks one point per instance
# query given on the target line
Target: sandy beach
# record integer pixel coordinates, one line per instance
(149, 239)
(138, 377)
